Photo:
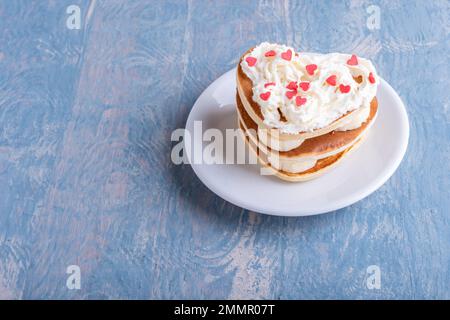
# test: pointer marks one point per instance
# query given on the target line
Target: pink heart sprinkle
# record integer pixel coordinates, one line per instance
(331, 80)
(304, 85)
(371, 78)
(292, 85)
(310, 68)
(299, 101)
(270, 53)
(290, 94)
(287, 55)
(269, 84)
(344, 88)
(251, 61)
(265, 96)
(353, 61)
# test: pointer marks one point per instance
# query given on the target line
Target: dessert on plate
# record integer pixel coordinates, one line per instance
(302, 113)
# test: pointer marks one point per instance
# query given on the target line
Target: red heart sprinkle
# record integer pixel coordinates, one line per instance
(290, 94)
(353, 61)
(251, 61)
(331, 80)
(270, 53)
(304, 86)
(269, 84)
(299, 101)
(287, 55)
(265, 96)
(310, 68)
(292, 85)
(371, 78)
(344, 89)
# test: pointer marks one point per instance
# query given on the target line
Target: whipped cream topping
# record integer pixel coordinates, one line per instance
(309, 90)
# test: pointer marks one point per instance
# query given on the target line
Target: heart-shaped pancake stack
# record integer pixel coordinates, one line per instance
(302, 112)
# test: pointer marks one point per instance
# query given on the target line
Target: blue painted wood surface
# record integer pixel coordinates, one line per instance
(85, 172)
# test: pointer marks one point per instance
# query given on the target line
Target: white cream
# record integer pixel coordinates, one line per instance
(354, 122)
(277, 144)
(292, 166)
(324, 103)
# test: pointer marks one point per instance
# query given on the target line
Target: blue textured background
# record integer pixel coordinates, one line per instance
(85, 172)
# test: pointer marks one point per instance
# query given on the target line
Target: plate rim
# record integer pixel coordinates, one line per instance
(351, 199)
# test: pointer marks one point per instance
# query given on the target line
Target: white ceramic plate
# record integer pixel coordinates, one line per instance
(358, 175)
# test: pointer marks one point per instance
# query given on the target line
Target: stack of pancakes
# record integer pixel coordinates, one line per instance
(301, 156)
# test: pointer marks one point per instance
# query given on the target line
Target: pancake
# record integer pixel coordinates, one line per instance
(321, 145)
(321, 166)
(299, 144)
(245, 92)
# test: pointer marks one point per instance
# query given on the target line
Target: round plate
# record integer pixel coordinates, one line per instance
(358, 175)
